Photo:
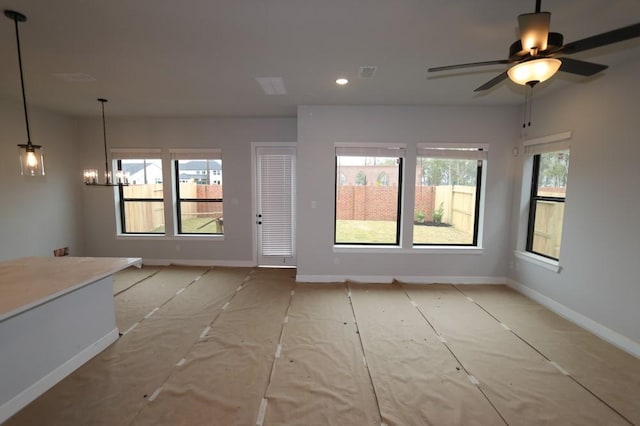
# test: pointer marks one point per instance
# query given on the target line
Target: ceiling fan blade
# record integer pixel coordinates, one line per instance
(489, 84)
(575, 66)
(469, 65)
(610, 37)
(534, 29)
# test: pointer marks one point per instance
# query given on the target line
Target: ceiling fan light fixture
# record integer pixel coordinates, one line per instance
(537, 70)
(534, 29)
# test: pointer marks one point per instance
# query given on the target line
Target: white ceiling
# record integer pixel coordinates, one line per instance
(201, 57)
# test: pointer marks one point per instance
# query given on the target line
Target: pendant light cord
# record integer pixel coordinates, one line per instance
(104, 138)
(24, 96)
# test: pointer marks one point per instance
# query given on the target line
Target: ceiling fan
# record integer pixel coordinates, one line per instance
(535, 57)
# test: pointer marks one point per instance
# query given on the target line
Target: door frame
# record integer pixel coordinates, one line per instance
(254, 188)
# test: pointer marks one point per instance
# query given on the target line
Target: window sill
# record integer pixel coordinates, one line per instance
(543, 262)
(142, 237)
(412, 250)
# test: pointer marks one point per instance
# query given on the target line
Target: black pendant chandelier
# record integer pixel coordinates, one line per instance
(31, 159)
(91, 175)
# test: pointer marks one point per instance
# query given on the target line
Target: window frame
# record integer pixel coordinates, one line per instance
(179, 200)
(553, 142)
(370, 150)
(534, 198)
(122, 202)
(480, 154)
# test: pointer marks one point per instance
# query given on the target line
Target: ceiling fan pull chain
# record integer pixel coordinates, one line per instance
(524, 114)
(530, 106)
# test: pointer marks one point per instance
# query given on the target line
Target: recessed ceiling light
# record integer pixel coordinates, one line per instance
(342, 81)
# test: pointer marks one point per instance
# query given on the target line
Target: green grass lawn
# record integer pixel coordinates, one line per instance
(384, 232)
(196, 225)
(200, 225)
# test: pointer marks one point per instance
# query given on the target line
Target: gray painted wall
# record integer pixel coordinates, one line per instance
(319, 127)
(38, 215)
(600, 252)
(233, 136)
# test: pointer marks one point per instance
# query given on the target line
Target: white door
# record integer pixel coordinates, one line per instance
(275, 215)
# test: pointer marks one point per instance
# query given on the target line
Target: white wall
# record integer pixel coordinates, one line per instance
(38, 215)
(600, 252)
(319, 127)
(233, 136)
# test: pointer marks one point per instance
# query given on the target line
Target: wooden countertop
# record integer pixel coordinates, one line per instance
(31, 281)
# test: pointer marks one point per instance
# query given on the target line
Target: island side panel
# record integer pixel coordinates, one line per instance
(41, 346)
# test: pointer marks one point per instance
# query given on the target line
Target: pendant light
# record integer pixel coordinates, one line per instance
(31, 159)
(91, 175)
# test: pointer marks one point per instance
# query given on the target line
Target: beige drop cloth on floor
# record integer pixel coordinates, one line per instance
(225, 374)
(129, 277)
(320, 377)
(208, 354)
(137, 302)
(115, 385)
(578, 352)
(417, 380)
(522, 384)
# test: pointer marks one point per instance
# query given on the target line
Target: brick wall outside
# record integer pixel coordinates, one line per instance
(425, 201)
(209, 191)
(378, 202)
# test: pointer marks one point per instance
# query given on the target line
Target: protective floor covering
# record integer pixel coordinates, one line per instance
(133, 305)
(243, 346)
(579, 352)
(319, 376)
(127, 278)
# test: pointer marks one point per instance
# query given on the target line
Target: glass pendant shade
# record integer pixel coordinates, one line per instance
(122, 177)
(90, 176)
(31, 160)
(535, 71)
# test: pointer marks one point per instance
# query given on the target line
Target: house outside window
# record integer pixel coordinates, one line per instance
(367, 213)
(448, 193)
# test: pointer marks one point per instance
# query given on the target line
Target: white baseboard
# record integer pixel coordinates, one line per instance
(202, 262)
(387, 279)
(19, 401)
(577, 318)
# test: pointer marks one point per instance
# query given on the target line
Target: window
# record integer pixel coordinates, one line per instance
(198, 193)
(550, 170)
(367, 212)
(141, 203)
(447, 195)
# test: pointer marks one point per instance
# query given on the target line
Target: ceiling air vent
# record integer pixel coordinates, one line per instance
(272, 85)
(367, 72)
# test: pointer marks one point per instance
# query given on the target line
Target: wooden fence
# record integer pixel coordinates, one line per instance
(144, 216)
(149, 216)
(459, 204)
(548, 232)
